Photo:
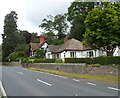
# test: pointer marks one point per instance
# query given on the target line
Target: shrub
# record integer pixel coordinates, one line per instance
(25, 60)
(58, 61)
(40, 53)
(103, 60)
(44, 60)
(13, 56)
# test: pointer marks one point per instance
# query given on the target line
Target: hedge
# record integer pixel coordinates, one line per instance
(44, 60)
(58, 61)
(103, 60)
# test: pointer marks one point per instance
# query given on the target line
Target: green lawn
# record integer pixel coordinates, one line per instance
(83, 76)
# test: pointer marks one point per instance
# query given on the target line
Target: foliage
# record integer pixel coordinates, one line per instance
(40, 53)
(103, 28)
(10, 28)
(22, 47)
(52, 39)
(58, 61)
(103, 60)
(44, 60)
(15, 56)
(77, 13)
(11, 36)
(55, 24)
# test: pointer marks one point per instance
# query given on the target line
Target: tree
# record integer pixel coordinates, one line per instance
(76, 15)
(55, 24)
(39, 53)
(103, 28)
(9, 36)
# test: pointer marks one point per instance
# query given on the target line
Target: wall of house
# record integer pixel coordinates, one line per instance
(117, 52)
(48, 55)
(82, 54)
(44, 46)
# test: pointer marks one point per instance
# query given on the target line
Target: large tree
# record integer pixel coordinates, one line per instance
(55, 24)
(11, 36)
(77, 13)
(103, 28)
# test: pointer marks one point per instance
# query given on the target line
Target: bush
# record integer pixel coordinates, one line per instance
(25, 60)
(13, 56)
(58, 61)
(103, 60)
(44, 60)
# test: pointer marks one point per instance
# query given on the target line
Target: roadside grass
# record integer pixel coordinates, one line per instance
(83, 76)
(6, 65)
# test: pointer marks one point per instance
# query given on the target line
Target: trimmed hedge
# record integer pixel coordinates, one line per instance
(103, 60)
(58, 61)
(44, 60)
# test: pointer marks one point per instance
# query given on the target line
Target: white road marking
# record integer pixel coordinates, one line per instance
(76, 95)
(2, 89)
(44, 82)
(76, 80)
(20, 73)
(91, 83)
(56, 75)
(63, 77)
(51, 74)
(114, 88)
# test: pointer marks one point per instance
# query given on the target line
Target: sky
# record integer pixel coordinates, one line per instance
(31, 12)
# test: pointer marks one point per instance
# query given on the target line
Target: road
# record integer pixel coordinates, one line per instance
(24, 82)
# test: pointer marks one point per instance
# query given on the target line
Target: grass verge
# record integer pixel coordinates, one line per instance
(83, 76)
(6, 65)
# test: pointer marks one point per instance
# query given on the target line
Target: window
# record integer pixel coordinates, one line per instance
(64, 55)
(90, 54)
(72, 54)
(48, 55)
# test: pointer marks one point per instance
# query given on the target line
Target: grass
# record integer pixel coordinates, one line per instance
(83, 76)
(6, 65)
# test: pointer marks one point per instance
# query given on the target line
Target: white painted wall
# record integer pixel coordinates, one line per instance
(48, 55)
(82, 54)
(117, 51)
(44, 46)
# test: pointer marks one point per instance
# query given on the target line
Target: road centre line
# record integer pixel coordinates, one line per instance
(114, 88)
(91, 83)
(76, 80)
(44, 82)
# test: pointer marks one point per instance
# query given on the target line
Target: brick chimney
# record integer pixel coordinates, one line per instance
(41, 38)
(65, 39)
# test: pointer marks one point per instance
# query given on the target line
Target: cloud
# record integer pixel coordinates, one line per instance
(37, 10)
(31, 12)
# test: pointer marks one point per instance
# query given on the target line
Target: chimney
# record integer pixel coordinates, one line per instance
(65, 39)
(41, 38)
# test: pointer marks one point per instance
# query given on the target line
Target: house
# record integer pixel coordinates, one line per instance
(41, 45)
(71, 48)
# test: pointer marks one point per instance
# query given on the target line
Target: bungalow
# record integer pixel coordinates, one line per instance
(69, 49)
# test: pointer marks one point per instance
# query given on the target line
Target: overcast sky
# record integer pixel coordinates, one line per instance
(31, 12)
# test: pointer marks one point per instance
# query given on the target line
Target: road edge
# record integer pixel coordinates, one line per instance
(2, 90)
